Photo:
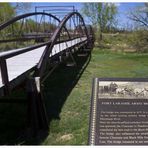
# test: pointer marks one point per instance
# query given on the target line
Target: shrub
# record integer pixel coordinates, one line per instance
(139, 40)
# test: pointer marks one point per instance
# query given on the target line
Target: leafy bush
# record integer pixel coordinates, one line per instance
(139, 40)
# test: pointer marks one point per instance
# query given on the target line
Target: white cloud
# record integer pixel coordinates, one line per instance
(114, 3)
(117, 4)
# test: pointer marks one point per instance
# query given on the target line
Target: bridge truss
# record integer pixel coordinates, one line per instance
(37, 43)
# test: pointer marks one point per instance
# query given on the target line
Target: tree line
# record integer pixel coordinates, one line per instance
(103, 17)
(9, 10)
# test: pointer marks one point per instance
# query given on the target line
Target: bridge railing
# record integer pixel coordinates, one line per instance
(78, 28)
(30, 27)
(27, 29)
(7, 55)
(70, 28)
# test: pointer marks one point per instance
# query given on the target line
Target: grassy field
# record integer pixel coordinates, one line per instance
(67, 95)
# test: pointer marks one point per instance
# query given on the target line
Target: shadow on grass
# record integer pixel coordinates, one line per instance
(60, 84)
(56, 90)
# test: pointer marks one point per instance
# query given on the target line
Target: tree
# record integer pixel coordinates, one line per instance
(6, 12)
(139, 38)
(91, 11)
(9, 10)
(21, 7)
(140, 15)
(101, 15)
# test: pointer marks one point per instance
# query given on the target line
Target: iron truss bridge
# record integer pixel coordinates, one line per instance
(33, 44)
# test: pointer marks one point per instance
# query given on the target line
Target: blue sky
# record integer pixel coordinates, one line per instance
(123, 9)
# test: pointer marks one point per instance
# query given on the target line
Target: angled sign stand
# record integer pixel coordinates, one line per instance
(119, 111)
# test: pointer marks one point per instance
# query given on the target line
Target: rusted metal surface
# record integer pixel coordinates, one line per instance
(4, 75)
(70, 36)
(73, 20)
(2, 26)
(43, 61)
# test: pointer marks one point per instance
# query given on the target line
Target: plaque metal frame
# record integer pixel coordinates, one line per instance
(93, 104)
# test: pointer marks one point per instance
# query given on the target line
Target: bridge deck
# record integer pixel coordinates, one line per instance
(20, 64)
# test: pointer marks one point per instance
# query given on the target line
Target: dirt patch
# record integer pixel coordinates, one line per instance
(130, 50)
(66, 137)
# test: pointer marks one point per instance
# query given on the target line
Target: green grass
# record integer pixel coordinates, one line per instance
(74, 116)
(67, 95)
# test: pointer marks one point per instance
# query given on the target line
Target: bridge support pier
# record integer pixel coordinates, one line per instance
(37, 117)
(70, 61)
(83, 52)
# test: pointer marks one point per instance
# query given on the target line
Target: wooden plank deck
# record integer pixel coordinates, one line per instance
(20, 64)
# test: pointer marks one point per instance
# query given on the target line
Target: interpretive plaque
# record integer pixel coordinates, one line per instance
(119, 112)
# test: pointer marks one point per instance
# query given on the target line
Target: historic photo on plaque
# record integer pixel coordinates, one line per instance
(117, 89)
(119, 112)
